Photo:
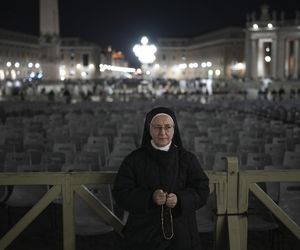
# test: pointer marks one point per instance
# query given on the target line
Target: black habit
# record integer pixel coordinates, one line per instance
(174, 171)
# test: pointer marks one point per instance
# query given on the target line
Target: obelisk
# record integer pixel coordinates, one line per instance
(49, 39)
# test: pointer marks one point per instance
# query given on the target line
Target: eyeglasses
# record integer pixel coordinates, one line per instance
(168, 128)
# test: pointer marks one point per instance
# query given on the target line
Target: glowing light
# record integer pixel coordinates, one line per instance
(208, 64)
(13, 74)
(139, 71)
(193, 65)
(238, 66)
(255, 26)
(78, 66)
(210, 72)
(17, 64)
(17, 83)
(144, 40)
(2, 75)
(157, 66)
(182, 66)
(217, 72)
(30, 65)
(83, 74)
(62, 72)
(37, 65)
(267, 49)
(270, 26)
(32, 74)
(145, 52)
(267, 58)
(104, 67)
(203, 65)
(8, 64)
(91, 66)
(9, 84)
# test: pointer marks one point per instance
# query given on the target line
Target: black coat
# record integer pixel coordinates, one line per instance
(148, 169)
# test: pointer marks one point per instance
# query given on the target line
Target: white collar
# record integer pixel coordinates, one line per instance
(164, 148)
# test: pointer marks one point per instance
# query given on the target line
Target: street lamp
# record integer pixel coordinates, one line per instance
(145, 52)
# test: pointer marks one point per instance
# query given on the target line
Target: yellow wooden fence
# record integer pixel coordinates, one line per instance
(231, 189)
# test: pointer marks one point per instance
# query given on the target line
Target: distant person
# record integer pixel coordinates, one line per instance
(51, 95)
(281, 93)
(161, 185)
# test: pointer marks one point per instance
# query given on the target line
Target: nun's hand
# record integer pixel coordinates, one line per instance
(171, 200)
(159, 197)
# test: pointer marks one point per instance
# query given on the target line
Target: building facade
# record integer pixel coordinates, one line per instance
(272, 45)
(267, 48)
(19, 55)
(25, 57)
(213, 55)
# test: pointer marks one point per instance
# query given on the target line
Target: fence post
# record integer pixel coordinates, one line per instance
(221, 232)
(237, 222)
(68, 214)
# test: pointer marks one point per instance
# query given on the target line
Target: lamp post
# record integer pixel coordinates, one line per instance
(145, 53)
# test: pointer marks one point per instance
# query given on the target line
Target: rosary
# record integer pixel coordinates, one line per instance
(169, 213)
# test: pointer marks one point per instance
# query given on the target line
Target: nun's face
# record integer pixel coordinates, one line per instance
(162, 130)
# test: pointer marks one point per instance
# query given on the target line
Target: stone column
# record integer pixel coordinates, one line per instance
(274, 58)
(49, 39)
(280, 55)
(260, 59)
(248, 56)
(296, 57)
(286, 59)
(254, 58)
(49, 18)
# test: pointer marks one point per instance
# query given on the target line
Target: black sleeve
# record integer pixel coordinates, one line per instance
(128, 195)
(196, 191)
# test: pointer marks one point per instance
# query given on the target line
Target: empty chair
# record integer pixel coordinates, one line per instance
(243, 150)
(109, 133)
(297, 148)
(101, 149)
(53, 161)
(68, 148)
(257, 161)
(14, 160)
(291, 159)
(201, 143)
(276, 152)
(122, 149)
(128, 140)
(24, 195)
(13, 144)
(220, 161)
(214, 134)
(115, 162)
(90, 158)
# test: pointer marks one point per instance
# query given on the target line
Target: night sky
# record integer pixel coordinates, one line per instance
(122, 23)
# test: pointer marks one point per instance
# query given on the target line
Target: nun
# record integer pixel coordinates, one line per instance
(161, 185)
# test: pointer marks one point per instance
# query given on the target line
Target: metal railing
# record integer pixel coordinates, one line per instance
(231, 188)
